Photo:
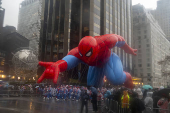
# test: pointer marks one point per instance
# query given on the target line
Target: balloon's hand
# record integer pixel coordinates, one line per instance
(128, 49)
(134, 52)
(52, 70)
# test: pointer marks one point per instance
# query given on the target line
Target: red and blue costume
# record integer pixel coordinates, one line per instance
(95, 52)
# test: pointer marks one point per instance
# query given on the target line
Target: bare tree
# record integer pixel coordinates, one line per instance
(165, 66)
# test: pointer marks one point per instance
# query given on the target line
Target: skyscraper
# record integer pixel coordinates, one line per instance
(152, 47)
(29, 21)
(2, 13)
(65, 22)
(162, 15)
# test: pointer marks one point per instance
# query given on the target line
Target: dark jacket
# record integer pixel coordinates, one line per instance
(94, 98)
(136, 105)
(84, 97)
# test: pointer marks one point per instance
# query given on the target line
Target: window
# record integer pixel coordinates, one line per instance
(148, 45)
(145, 36)
(139, 46)
(148, 74)
(141, 74)
(148, 65)
(140, 65)
(139, 37)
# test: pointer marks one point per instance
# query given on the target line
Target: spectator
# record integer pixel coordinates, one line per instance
(139, 92)
(94, 101)
(145, 93)
(84, 101)
(125, 100)
(163, 104)
(136, 105)
(155, 101)
(148, 103)
(99, 98)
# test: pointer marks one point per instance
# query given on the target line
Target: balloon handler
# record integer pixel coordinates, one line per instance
(95, 52)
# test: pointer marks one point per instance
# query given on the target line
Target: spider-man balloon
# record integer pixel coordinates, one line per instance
(96, 52)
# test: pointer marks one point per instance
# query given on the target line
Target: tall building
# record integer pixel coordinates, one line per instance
(65, 22)
(11, 41)
(2, 13)
(152, 45)
(29, 21)
(162, 15)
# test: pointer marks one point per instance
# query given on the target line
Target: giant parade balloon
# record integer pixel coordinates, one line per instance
(95, 52)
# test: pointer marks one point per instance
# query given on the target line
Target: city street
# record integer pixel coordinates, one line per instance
(38, 105)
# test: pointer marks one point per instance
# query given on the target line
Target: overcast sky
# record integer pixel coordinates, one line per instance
(12, 9)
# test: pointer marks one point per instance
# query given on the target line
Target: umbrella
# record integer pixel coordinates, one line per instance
(36, 86)
(164, 92)
(161, 87)
(147, 87)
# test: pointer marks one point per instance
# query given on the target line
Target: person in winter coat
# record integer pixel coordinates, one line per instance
(139, 92)
(136, 104)
(163, 104)
(148, 101)
(107, 94)
(155, 101)
(94, 101)
(99, 98)
(84, 101)
(125, 99)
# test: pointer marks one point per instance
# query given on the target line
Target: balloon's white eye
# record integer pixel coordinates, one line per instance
(89, 53)
(80, 54)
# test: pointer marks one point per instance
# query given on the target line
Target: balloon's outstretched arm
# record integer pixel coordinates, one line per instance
(112, 40)
(128, 49)
(54, 68)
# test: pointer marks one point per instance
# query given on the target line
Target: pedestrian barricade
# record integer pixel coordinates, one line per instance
(112, 106)
(157, 110)
(17, 93)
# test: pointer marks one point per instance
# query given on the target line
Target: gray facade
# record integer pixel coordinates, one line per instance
(152, 47)
(162, 15)
(29, 21)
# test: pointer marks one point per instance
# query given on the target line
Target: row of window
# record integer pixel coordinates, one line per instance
(2, 54)
(141, 74)
(140, 61)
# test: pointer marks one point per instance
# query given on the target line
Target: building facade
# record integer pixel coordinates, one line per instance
(29, 21)
(11, 41)
(65, 22)
(162, 15)
(152, 45)
(2, 13)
